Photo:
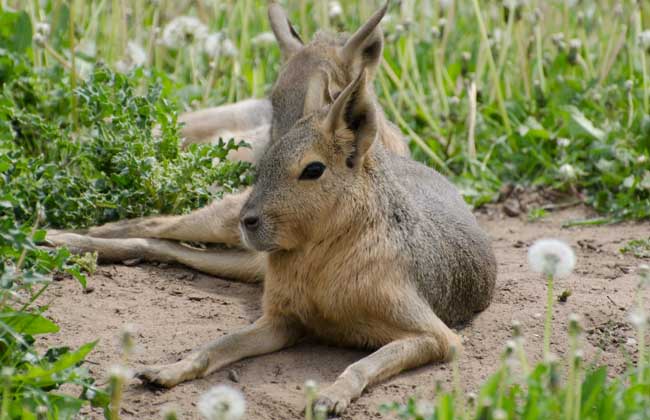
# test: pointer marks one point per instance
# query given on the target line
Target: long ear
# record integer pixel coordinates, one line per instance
(317, 94)
(352, 120)
(363, 49)
(287, 37)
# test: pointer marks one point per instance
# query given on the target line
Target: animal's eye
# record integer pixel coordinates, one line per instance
(312, 171)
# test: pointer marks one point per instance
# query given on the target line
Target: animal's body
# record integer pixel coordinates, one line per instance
(310, 77)
(357, 245)
(364, 249)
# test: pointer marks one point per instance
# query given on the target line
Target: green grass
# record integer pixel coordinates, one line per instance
(561, 99)
(537, 94)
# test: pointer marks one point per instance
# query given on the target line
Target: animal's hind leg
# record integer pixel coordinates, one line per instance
(237, 264)
(389, 360)
(215, 223)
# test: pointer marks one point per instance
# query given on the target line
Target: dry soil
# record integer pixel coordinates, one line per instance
(174, 309)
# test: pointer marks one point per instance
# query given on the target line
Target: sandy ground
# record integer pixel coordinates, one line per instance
(175, 309)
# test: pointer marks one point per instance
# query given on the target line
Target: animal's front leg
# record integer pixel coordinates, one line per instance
(389, 360)
(266, 335)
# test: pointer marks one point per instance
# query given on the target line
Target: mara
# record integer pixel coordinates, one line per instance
(357, 244)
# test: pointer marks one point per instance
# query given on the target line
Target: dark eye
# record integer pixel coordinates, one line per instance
(313, 171)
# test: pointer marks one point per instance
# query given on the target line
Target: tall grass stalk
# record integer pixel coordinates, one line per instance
(73, 65)
(492, 67)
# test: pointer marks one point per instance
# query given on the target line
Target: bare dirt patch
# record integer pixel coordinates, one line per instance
(175, 309)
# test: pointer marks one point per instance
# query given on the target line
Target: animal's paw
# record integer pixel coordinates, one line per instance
(166, 376)
(332, 402)
(76, 243)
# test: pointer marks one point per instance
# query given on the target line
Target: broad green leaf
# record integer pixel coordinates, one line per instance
(27, 323)
(585, 124)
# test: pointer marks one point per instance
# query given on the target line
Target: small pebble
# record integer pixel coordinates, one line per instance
(132, 261)
(233, 375)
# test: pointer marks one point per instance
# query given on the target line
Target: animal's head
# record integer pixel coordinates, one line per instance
(316, 176)
(314, 74)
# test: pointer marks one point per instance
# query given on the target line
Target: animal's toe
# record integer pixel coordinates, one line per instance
(332, 405)
(156, 377)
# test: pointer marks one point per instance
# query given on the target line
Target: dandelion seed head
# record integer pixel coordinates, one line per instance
(120, 372)
(222, 402)
(212, 44)
(135, 56)
(446, 4)
(499, 414)
(126, 338)
(334, 9)
(575, 328)
(471, 397)
(42, 28)
(310, 386)
(567, 171)
(638, 318)
(264, 39)
(169, 411)
(424, 409)
(551, 257)
(644, 271)
(183, 31)
(644, 39)
(228, 48)
(575, 44)
(39, 39)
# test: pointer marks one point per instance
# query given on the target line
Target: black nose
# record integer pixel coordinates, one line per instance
(251, 222)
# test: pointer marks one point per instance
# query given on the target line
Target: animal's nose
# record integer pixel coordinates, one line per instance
(250, 222)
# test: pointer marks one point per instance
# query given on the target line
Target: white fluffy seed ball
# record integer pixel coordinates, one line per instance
(551, 257)
(222, 402)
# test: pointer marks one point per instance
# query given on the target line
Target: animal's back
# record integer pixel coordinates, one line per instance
(451, 258)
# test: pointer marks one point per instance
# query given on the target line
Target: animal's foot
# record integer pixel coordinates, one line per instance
(168, 376)
(332, 402)
(76, 243)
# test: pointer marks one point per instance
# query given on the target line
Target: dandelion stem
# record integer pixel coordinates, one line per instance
(549, 316)
(73, 68)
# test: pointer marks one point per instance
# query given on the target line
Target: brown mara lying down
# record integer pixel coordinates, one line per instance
(357, 245)
(310, 77)
(363, 248)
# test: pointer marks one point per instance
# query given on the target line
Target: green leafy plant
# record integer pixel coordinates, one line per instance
(30, 380)
(640, 248)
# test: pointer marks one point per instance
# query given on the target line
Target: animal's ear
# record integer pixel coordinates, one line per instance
(352, 121)
(287, 37)
(318, 93)
(364, 48)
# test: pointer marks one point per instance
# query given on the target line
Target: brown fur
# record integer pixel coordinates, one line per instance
(310, 77)
(379, 252)
(375, 251)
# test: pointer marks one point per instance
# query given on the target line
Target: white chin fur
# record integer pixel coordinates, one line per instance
(244, 238)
